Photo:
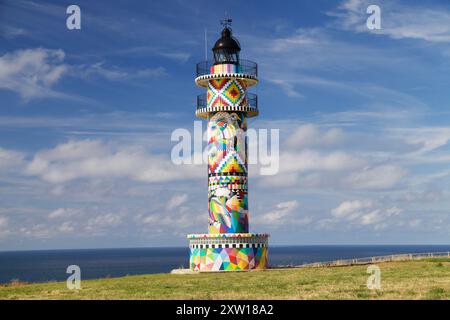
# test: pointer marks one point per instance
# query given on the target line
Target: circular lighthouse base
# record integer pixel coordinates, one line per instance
(228, 251)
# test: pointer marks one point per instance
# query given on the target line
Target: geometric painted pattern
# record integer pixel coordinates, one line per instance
(228, 211)
(228, 92)
(227, 143)
(228, 259)
(231, 163)
(227, 167)
(231, 182)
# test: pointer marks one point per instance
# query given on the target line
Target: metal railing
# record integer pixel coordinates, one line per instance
(252, 101)
(370, 260)
(245, 67)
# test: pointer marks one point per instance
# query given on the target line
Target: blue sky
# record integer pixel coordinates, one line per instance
(86, 118)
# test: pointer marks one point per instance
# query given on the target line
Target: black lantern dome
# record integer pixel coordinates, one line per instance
(227, 48)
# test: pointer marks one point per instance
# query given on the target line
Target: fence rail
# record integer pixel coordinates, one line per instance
(370, 260)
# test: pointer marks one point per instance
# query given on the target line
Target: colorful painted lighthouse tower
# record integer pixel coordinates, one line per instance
(226, 106)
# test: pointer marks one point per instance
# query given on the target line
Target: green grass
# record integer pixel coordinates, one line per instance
(424, 279)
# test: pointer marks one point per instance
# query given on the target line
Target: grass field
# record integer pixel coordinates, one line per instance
(421, 279)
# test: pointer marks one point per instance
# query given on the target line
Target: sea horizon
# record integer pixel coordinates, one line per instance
(271, 246)
(50, 264)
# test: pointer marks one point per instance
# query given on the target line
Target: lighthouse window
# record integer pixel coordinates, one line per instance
(226, 55)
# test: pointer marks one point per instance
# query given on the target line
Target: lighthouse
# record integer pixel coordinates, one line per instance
(226, 106)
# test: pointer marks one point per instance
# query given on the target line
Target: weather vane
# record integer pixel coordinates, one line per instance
(226, 22)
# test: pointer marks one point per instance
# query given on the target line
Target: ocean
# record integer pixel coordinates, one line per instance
(51, 265)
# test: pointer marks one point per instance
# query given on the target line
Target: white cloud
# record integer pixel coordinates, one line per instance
(426, 196)
(77, 159)
(322, 158)
(10, 158)
(326, 157)
(177, 201)
(4, 231)
(355, 117)
(397, 21)
(282, 209)
(364, 212)
(185, 220)
(347, 209)
(379, 215)
(10, 32)
(37, 231)
(378, 177)
(93, 220)
(66, 227)
(160, 50)
(414, 223)
(301, 38)
(428, 138)
(311, 135)
(311, 160)
(32, 72)
(115, 73)
(283, 213)
(305, 55)
(3, 222)
(104, 220)
(62, 213)
(288, 87)
(177, 56)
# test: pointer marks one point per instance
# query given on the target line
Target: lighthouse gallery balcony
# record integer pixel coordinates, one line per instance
(245, 67)
(245, 70)
(250, 106)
